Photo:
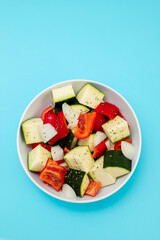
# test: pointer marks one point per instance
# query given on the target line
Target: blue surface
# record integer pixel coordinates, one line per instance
(114, 42)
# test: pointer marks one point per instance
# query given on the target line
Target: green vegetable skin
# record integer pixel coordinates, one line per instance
(98, 174)
(78, 180)
(80, 108)
(61, 95)
(71, 141)
(116, 164)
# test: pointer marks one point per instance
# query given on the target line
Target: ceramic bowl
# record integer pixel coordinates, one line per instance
(43, 100)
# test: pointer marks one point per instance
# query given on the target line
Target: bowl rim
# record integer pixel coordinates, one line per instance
(79, 200)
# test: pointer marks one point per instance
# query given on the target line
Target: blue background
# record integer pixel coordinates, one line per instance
(113, 42)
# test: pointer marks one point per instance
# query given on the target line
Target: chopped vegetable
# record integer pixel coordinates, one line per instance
(128, 150)
(85, 125)
(117, 145)
(116, 129)
(68, 192)
(53, 174)
(99, 150)
(57, 153)
(37, 158)
(78, 180)
(99, 137)
(100, 120)
(116, 164)
(107, 109)
(109, 145)
(45, 111)
(66, 150)
(90, 96)
(71, 115)
(47, 132)
(88, 142)
(61, 127)
(46, 146)
(93, 188)
(60, 161)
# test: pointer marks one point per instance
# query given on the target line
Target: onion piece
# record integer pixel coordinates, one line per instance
(68, 192)
(109, 145)
(47, 132)
(70, 115)
(128, 150)
(57, 153)
(99, 137)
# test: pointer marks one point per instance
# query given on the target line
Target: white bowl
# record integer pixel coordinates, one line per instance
(43, 100)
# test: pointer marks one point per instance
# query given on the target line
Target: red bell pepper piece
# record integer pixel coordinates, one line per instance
(53, 174)
(85, 125)
(99, 149)
(60, 161)
(66, 150)
(66, 168)
(93, 188)
(100, 120)
(117, 145)
(107, 109)
(48, 147)
(45, 111)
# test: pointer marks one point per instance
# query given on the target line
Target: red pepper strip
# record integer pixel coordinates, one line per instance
(45, 111)
(93, 188)
(85, 125)
(100, 120)
(60, 161)
(53, 174)
(61, 127)
(66, 150)
(117, 145)
(48, 147)
(107, 109)
(99, 150)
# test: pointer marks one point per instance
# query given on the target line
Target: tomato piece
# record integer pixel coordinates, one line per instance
(85, 126)
(117, 145)
(53, 174)
(66, 150)
(100, 120)
(45, 111)
(50, 117)
(107, 109)
(46, 146)
(99, 149)
(61, 128)
(93, 188)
